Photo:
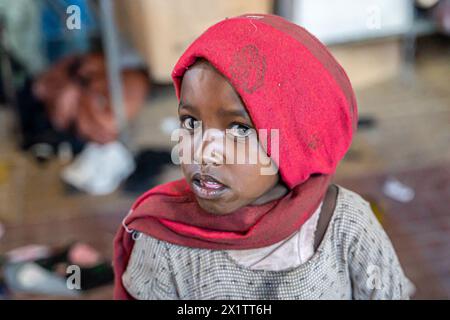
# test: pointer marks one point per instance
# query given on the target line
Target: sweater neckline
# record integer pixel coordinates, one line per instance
(314, 258)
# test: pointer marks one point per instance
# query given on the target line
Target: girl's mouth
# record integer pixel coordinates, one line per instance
(207, 187)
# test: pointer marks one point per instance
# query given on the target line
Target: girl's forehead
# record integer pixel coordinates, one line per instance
(202, 81)
(202, 71)
(206, 88)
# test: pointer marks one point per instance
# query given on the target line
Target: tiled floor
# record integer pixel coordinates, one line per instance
(410, 141)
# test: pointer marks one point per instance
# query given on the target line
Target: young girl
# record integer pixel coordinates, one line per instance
(274, 228)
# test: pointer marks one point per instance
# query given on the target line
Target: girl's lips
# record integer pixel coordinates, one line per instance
(207, 187)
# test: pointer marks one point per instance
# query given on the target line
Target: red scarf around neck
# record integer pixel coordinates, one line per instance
(167, 212)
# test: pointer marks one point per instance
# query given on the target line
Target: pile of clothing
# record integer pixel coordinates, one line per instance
(66, 112)
(76, 95)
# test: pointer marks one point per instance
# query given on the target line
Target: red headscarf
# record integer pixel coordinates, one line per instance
(288, 81)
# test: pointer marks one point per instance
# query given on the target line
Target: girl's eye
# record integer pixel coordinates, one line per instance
(190, 123)
(240, 131)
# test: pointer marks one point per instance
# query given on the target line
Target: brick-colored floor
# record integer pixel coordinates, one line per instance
(420, 229)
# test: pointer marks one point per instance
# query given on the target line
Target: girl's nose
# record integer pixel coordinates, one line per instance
(209, 147)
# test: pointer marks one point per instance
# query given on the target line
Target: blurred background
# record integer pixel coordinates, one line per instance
(87, 109)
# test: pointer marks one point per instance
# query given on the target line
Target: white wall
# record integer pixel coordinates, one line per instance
(336, 21)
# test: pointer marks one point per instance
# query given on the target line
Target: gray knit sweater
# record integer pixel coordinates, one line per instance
(355, 260)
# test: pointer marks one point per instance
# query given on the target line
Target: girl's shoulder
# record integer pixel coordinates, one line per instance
(352, 209)
(353, 214)
(374, 266)
(349, 220)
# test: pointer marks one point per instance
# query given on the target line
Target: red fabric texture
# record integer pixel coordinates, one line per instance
(288, 81)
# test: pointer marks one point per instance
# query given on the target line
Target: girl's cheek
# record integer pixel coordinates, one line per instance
(243, 151)
(184, 147)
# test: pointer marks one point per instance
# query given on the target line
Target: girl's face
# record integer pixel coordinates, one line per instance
(221, 182)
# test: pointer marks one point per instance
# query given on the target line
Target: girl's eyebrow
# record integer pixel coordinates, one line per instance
(222, 112)
(181, 105)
